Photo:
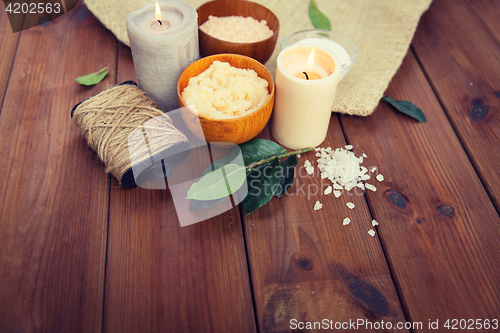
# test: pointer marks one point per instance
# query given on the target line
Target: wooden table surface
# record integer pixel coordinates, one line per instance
(80, 254)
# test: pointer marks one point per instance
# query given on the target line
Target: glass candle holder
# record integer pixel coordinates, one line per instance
(339, 44)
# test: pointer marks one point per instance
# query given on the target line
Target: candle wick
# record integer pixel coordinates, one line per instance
(307, 77)
(161, 23)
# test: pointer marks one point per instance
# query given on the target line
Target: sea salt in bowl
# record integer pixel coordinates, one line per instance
(339, 44)
(235, 130)
(260, 50)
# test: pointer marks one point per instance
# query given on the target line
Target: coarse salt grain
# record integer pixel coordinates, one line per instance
(373, 169)
(310, 170)
(371, 187)
(336, 194)
(237, 29)
(348, 147)
(371, 232)
(346, 221)
(318, 205)
(350, 205)
(364, 155)
(374, 223)
(380, 178)
(328, 190)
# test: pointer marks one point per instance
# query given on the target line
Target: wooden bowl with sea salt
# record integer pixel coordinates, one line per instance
(259, 50)
(237, 129)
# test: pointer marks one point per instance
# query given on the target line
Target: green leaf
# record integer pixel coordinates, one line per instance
(262, 185)
(287, 175)
(407, 108)
(218, 184)
(94, 78)
(318, 19)
(203, 204)
(260, 149)
(223, 161)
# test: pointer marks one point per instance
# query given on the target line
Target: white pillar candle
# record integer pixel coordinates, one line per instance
(303, 107)
(162, 51)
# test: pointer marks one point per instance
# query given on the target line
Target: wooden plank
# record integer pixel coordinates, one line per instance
(8, 40)
(459, 54)
(162, 277)
(307, 266)
(437, 225)
(54, 194)
(490, 11)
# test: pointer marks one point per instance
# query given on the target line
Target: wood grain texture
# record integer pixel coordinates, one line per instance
(54, 192)
(490, 11)
(8, 42)
(165, 278)
(437, 225)
(459, 54)
(307, 266)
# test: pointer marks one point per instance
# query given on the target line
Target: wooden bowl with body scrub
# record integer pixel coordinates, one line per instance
(236, 129)
(259, 50)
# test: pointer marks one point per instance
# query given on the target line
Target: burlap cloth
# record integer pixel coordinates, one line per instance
(381, 30)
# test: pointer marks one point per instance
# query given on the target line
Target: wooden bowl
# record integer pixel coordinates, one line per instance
(260, 51)
(235, 130)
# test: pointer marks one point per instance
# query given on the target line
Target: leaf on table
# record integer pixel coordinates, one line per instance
(203, 204)
(262, 185)
(318, 19)
(407, 108)
(93, 78)
(223, 161)
(287, 175)
(260, 149)
(218, 184)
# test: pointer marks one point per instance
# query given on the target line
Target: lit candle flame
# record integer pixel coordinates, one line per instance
(158, 13)
(310, 62)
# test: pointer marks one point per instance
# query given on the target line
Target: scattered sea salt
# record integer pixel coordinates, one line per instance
(328, 190)
(371, 187)
(336, 194)
(364, 155)
(380, 178)
(346, 221)
(348, 147)
(373, 169)
(371, 232)
(350, 205)
(318, 205)
(374, 223)
(298, 156)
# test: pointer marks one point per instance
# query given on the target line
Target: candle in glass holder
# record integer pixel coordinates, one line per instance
(164, 41)
(306, 81)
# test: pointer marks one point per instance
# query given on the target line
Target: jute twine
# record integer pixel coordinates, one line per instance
(121, 117)
(381, 30)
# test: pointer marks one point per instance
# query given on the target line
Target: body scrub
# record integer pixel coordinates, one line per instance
(237, 29)
(223, 91)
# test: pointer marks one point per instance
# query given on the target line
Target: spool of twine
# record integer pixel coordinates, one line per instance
(124, 126)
